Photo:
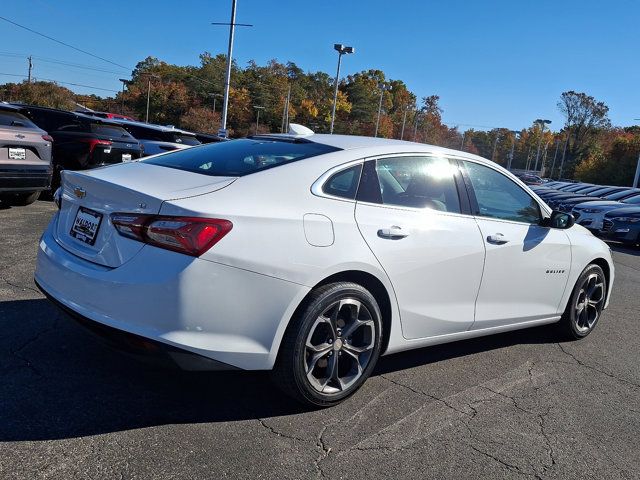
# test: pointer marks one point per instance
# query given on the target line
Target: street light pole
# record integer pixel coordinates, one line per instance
(227, 78)
(150, 76)
(495, 146)
(258, 108)
(462, 142)
(513, 147)
(124, 81)
(542, 123)
(404, 121)
(342, 50)
(383, 88)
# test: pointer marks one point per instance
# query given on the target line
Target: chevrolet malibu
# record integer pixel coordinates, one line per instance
(312, 255)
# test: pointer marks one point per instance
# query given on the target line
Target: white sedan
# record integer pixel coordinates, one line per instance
(312, 255)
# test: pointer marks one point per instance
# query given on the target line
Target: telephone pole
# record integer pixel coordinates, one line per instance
(30, 67)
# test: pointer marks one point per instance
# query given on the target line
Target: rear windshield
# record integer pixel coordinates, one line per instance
(240, 157)
(14, 119)
(109, 130)
(186, 139)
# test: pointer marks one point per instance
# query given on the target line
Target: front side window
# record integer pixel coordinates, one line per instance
(418, 182)
(499, 197)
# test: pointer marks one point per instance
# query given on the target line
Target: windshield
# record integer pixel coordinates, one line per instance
(240, 157)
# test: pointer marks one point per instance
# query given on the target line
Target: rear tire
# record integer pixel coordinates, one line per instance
(585, 304)
(331, 345)
(22, 199)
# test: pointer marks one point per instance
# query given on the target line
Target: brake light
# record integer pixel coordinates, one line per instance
(47, 138)
(93, 142)
(188, 235)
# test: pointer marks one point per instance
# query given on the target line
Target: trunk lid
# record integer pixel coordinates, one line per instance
(88, 198)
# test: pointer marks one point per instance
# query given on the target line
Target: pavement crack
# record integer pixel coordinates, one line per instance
(508, 466)
(324, 452)
(595, 369)
(21, 287)
(17, 352)
(473, 413)
(279, 433)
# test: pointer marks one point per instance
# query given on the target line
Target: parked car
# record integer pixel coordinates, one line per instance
(312, 255)
(159, 139)
(109, 115)
(591, 215)
(530, 179)
(81, 142)
(209, 138)
(622, 225)
(25, 158)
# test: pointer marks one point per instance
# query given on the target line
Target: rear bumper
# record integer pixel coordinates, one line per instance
(24, 179)
(140, 347)
(226, 314)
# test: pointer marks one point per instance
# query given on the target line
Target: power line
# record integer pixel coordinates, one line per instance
(60, 62)
(63, 43)
(63, 83)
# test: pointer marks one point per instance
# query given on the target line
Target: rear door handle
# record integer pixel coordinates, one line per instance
(497, 239)
(392, 233)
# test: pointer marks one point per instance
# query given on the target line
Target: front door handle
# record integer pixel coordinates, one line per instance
(497, 239)
(392, 233)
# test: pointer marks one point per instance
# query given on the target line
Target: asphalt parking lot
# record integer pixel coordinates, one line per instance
(508, 406)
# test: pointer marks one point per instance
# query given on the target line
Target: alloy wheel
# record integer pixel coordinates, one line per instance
(589, 302)
(339, 345)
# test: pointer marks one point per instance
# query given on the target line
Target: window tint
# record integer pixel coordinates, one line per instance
(14, 119)
(185, 139)
(499, 197)
(240, 157)
(343, 184)
(109, 130)
(418, 182)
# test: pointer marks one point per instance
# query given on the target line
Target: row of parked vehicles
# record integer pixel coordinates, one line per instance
(610, 212)
(37, 143)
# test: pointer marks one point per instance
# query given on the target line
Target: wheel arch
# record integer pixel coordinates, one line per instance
(606, 268)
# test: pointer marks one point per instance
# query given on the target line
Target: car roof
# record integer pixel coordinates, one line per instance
(353, 142)
(152, 126)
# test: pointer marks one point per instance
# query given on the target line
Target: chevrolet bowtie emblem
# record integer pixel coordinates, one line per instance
(79, 192)
(19, 135)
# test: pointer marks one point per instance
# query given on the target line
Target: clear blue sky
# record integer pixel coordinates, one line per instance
(493, 62)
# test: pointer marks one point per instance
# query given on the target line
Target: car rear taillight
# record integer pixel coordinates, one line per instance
(47, 138)
(188, 235)
(94, 142)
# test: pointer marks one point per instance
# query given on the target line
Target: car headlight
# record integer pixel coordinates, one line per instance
(627, 219)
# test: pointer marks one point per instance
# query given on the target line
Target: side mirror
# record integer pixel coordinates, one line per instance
(559, 220)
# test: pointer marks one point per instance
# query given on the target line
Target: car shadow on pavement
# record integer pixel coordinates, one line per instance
(57, 381)
(626, 250)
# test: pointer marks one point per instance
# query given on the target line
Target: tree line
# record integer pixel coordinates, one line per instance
(587, 147)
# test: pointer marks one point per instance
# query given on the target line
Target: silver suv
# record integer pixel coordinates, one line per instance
(25, 158)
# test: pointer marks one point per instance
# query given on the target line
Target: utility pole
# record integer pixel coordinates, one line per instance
(637, 176)
(146, 118)
(124, 82)
(222, 132)
(30, 67)
(285, 113)
(513, 147)
(462, 142)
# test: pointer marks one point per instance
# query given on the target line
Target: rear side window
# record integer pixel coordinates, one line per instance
(500, 197)
(343, 184)
(14, 119)
(418, 182)
(240, 157)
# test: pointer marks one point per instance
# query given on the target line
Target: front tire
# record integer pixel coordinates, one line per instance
(331, 345)
(585, 304)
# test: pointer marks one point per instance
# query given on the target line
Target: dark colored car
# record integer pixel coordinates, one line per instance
(622, 225)
(81, 142)
(159, 138)
(530, 179)
(25, 158)
(209, 138)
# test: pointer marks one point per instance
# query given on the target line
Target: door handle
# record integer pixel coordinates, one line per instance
(497, 239)
(392, 233)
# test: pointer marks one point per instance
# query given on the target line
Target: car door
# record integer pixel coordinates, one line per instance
(413, 213)
(527, 265)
